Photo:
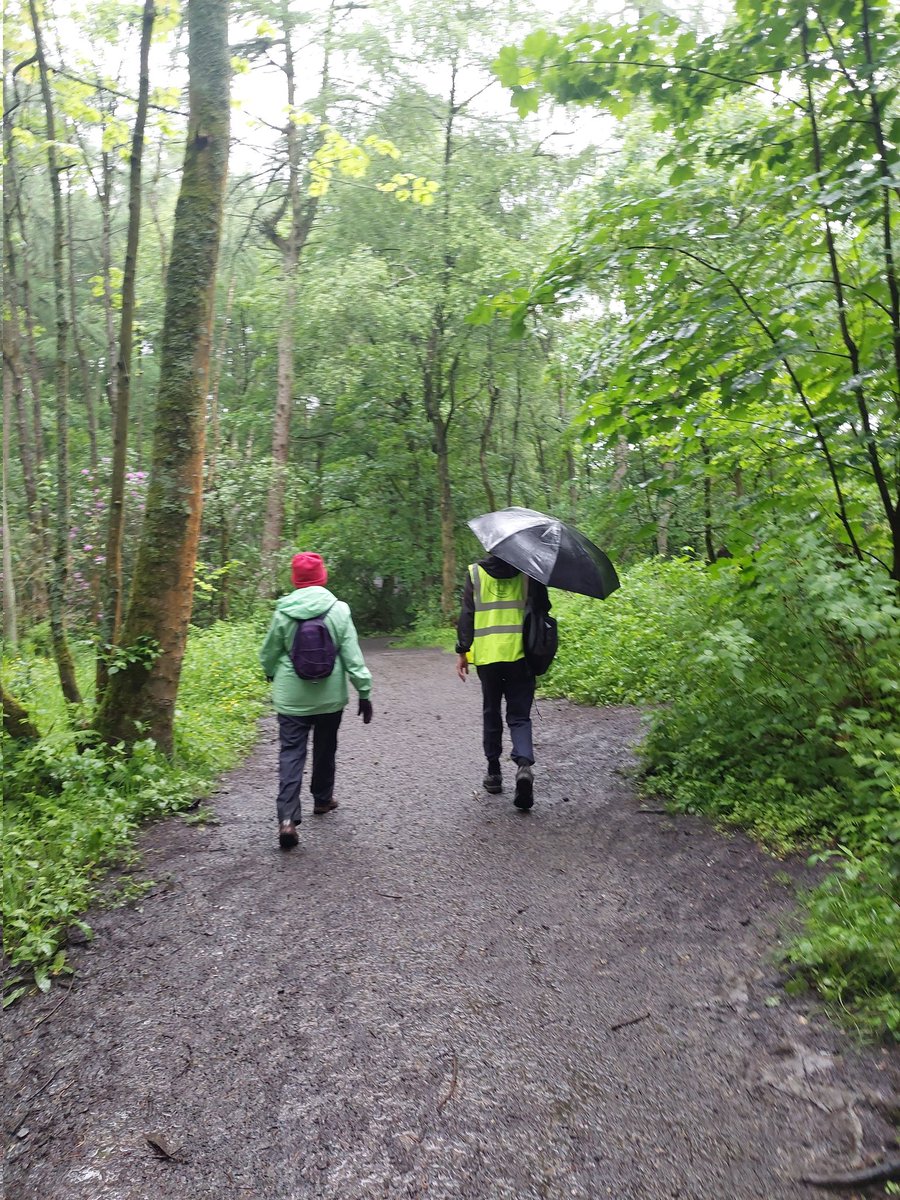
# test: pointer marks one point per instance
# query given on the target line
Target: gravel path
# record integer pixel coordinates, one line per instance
(438, 996)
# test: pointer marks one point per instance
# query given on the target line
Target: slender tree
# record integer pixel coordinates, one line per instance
(10, 624)
(301, 213)
(112, 597)
(60, 566)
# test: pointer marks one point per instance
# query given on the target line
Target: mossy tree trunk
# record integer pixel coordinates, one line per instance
(139, 700)
(16, 722)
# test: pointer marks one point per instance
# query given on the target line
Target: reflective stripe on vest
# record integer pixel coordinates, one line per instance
(499, 613)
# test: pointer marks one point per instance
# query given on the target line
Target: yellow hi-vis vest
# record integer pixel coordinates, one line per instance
(499, 613)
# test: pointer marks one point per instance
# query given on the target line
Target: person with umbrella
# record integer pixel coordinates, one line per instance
(528, 550)
(489, 635)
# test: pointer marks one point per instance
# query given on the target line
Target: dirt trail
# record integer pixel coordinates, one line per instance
(439, 996)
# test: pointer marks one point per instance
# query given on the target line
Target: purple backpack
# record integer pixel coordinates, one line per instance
(313, 652)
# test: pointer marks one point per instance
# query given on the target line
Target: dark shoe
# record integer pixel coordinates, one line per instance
(326, 806)
(493, 783)
(287, 835)
(524, 797)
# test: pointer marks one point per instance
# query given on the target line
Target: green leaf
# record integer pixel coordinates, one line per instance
(525, 100)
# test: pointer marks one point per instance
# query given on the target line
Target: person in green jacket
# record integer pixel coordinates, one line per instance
(303, 704)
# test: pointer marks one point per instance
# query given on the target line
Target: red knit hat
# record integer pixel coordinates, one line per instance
(308, 570)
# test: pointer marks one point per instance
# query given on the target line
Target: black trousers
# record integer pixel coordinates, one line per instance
(514, 682)
(294, 735)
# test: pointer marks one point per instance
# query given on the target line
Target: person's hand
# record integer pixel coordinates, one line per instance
(365, 711)
(462, 666)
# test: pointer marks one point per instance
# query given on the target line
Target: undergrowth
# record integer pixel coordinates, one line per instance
(774, 685)
(430, 629)
(72, 804)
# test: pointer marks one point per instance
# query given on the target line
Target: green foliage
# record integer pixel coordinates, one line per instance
(72, 805)
(629, 650)
(789, 700)
(428, 630)
(850, 948)
(743, 250)
(143, 651)
(775, 682)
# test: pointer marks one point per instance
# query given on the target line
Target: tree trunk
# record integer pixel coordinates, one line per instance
(281, 433)
(621, 455)
(664, 515)
(212, 454)
(109, 311)
(87, 391)
(10, 625)
(140, 700)
(12, 212)
(157, 221)
(512, 452)
(12, 336)
(13, 378)
(291, 246)
(16, 722)
(708, 538)
(113, 580)
(493, 397)
(60, 566)
(34, 366)
(571, 475)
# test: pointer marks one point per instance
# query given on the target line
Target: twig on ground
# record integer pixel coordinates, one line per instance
(451, 1091)
(630, 1021)
(883, 1173)
(42, 1088)
(53, 1010)
(189, 1063)
(799, 1093)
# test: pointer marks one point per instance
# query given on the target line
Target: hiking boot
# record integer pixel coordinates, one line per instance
(524, 797)
(493, 782)
(319, 809)
(287, 835)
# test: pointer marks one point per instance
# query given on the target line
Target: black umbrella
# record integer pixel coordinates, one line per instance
(547, 549)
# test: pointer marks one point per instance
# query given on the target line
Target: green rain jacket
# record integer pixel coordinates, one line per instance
(298, 697)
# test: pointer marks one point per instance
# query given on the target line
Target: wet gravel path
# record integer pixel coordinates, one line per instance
(438, 996)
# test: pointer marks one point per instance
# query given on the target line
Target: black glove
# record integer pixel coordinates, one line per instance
(365, 711)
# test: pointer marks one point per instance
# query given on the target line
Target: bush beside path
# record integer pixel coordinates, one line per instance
(437, 995)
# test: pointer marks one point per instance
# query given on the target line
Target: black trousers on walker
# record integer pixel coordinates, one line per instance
(294, 735)
(515, 682)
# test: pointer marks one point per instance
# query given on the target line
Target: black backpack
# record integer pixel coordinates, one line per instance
(540, 639)
(313, 652)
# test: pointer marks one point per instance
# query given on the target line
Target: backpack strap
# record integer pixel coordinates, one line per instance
(298, 621)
